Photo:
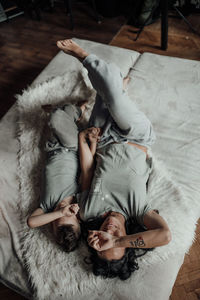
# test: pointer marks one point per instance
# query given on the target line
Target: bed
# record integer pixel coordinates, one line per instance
(167, 89)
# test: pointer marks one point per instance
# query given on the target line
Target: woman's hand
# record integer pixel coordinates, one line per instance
(69, 210)
(101, 240)
(94, 134)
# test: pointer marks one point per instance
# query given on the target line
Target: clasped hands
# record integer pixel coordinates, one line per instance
(69, 210)
(92, 134)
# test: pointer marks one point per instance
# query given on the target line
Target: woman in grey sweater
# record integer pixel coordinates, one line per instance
(114, 184)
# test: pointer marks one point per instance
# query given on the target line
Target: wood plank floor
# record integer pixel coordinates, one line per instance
(187, 285)
(26, 46)
(182, 42)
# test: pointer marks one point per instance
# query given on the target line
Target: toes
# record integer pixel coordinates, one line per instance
(59, 44)
(65, 42)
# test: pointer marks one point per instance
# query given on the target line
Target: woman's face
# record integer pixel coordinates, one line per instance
(114, 224)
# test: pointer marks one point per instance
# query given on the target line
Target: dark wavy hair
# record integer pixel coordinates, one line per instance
(122, 268)
(67, 238)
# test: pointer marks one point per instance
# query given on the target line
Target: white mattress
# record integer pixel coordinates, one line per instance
(167, 90)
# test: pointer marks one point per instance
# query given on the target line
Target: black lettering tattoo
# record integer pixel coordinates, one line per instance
(138, 243)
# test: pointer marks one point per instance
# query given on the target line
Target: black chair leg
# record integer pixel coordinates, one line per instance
(164, 24)
(68, 5)
(142, 27)
(95, 12)
(145, 22)
(186, 21)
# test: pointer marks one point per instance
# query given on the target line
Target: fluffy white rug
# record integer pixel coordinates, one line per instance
(53, 273)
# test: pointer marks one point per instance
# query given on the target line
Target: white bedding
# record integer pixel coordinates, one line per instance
(164, 195)
(161, 86)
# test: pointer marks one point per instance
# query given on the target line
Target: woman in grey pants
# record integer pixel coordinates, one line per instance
(114, 185)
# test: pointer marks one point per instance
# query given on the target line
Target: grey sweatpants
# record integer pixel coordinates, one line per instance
(60, 176)
(64, 129)
(114, 111)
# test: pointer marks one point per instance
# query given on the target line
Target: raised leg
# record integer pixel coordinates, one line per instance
(108, 82)
(100, 116)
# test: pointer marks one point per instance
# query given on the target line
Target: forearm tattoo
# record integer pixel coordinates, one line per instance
(138, 243)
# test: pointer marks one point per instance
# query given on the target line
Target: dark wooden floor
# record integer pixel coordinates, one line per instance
(26, 46)
(187, 285)
(182, 42)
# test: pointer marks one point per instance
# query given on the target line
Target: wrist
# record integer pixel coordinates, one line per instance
(93, 146)
(118, 242)
(82, 137)
(60, 213)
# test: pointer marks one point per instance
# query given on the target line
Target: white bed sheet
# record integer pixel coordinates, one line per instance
(171, 87)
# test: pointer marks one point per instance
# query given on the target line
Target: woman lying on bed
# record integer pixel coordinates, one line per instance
(60, 182)
(114, 186)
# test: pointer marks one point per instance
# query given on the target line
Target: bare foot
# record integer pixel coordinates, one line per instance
(126, 81)
(72, 48)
